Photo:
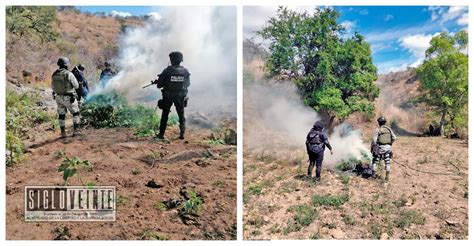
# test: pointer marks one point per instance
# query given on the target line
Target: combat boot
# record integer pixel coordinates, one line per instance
(387, 175)
(77, 130)
(160, 136)
(63, 132)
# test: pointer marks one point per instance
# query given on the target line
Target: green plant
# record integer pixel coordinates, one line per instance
(328, 200)
(348, 220)
(160, 206)
(345, 179)
(90, 184)
(303, 214)
(59, 153)
(22, 114)
(335, 75)
(408, 217)
(150, 235)
(193, 204)
(401, 201)
(444, 78)
(71, 166)
(136, 171)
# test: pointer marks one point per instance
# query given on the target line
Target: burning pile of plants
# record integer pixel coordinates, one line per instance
(112, 110)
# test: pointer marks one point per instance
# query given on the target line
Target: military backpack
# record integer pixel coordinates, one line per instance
(61, 84)
(385, 136)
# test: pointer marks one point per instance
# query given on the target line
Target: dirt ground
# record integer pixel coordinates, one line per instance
(209, 169)
(427, 197)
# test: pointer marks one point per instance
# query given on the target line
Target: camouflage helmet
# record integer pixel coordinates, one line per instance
(63, 61)
(176, 57)
(81, 67)
(381, 120)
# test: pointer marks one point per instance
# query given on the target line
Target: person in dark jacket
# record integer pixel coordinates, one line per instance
(106, 74)
(316, 142)
(173, 82)
(83, 89)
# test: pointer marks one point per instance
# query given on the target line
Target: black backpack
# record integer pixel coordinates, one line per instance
(314, 142)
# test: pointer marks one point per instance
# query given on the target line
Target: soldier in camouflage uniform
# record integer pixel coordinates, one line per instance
(64, 86)
(174, 81)
(382, 141)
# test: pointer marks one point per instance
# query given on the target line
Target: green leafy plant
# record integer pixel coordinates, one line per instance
(335, 74)
(22, 114)
(444, 78)
(160, 206)
(329, 200)
(71, 166)
(193, 204)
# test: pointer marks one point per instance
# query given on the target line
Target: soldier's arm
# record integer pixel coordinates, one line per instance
(375, 136)
(160, 83)
(393, 137)
(73, 80)
(326, 141)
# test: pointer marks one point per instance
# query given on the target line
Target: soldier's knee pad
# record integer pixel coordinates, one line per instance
(62, 116)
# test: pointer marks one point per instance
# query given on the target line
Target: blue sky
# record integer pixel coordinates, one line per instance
(121, 10)
(398, 35)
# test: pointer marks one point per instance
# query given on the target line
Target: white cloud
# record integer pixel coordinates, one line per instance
(120, 14)
(453, 12)
(416, 44)
(436, 12)
(445, 14)
(155, 15)
(348, 25)
(388, 17)
(255, 17)
(464, 20)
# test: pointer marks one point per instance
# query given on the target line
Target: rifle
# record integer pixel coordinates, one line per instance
(153, 82)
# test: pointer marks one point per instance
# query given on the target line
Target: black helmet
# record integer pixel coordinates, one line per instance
(381, 120)
(107, 64)
(318, 125)
(81, 67)
(63, 62)
(176, 57)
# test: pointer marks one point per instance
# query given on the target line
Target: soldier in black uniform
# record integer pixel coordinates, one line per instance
(106, 74)
(316, 142)
(83, 89)
(174, 82)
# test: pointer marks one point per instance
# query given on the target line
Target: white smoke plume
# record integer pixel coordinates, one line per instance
(207, 38)
(275, 118)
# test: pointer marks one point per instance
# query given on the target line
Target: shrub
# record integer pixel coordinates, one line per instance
(328, 200)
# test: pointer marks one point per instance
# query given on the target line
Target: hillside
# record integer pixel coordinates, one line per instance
(84, 38)
(200, 170)
(427, 197)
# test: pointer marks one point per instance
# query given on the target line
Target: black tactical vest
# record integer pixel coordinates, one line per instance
(176, 78)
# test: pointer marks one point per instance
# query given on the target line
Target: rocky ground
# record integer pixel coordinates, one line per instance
(128, 162)
(427, 197)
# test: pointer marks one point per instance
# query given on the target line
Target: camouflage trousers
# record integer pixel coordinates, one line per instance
(64, 104)
(386, 156)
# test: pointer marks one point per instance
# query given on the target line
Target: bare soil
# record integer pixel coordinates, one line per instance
(427, 196)
(118, 158)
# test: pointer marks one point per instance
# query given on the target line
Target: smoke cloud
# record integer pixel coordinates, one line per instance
(207, 38)
(275, 118)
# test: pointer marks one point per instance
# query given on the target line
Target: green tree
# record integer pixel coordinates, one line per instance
(34, 21)
(335, 74)
(444, 78)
